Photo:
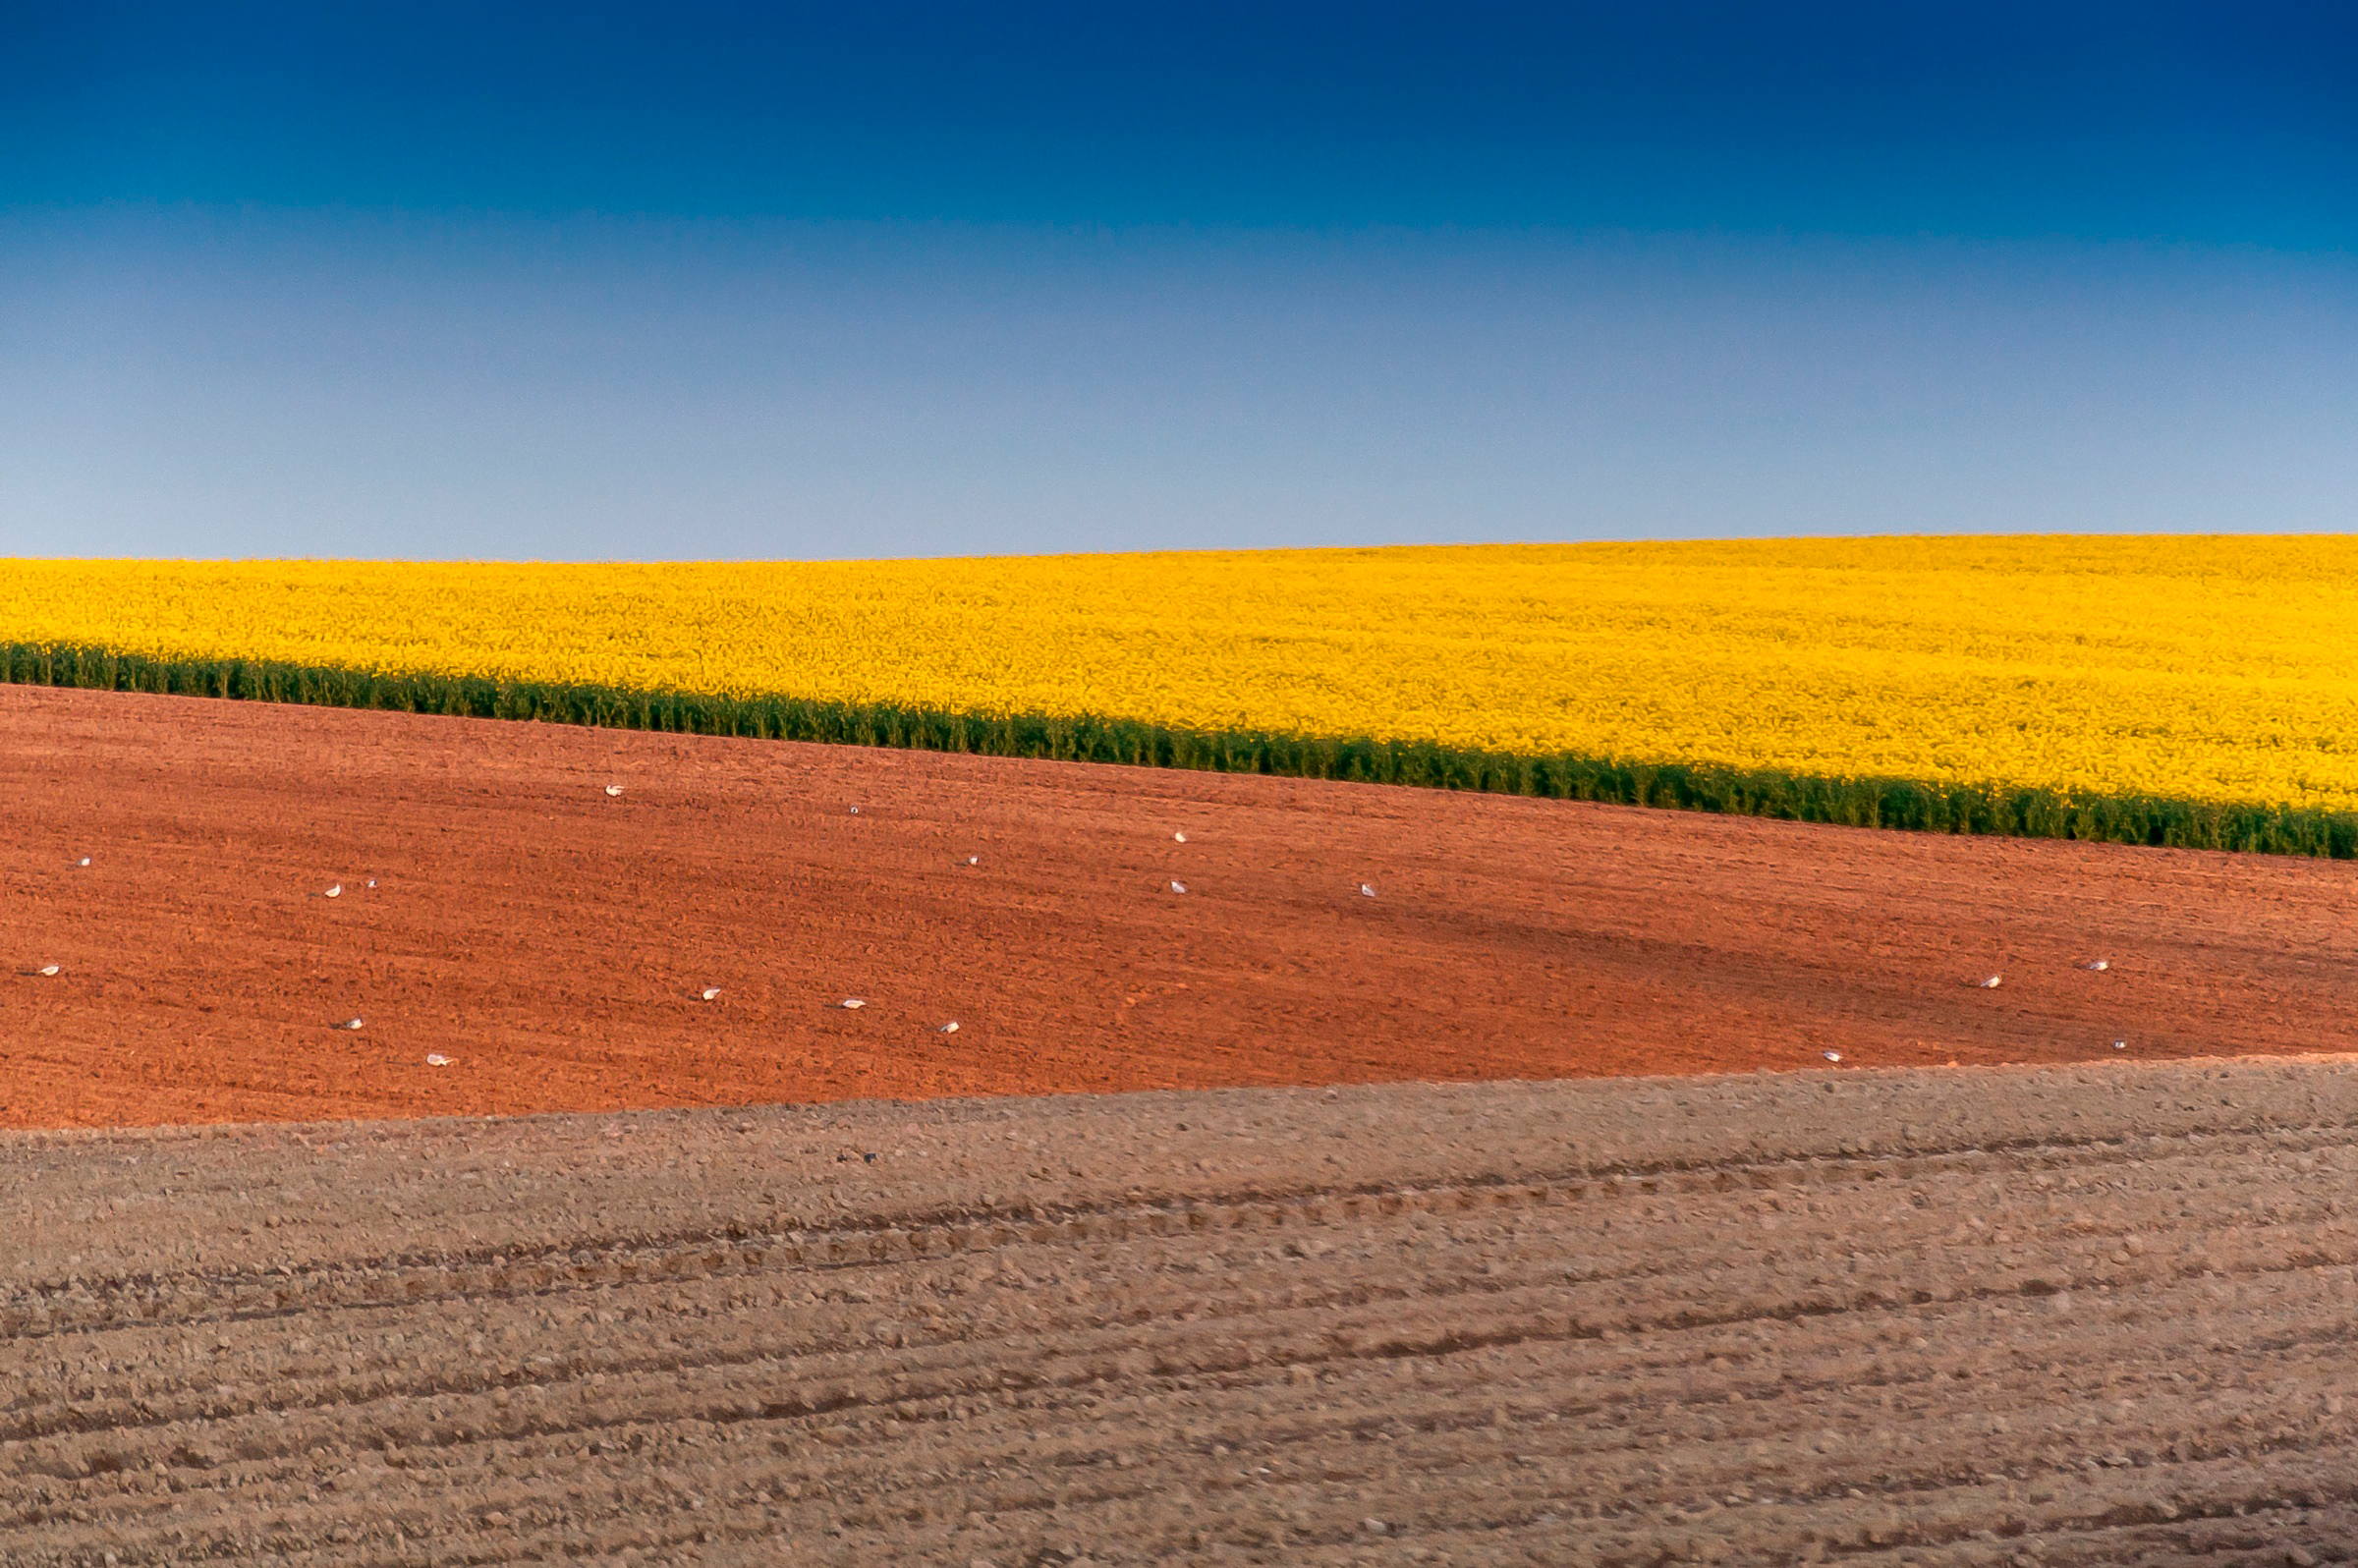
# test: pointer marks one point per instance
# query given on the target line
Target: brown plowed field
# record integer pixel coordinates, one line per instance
(2074, 1316)
(552, 941)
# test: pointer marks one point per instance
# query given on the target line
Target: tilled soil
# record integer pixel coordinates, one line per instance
(2070, 1316)
(552, 942)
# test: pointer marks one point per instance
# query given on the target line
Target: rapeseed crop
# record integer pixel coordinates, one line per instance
(2184, 690)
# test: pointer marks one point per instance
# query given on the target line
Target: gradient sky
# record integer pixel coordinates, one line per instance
(590, 281)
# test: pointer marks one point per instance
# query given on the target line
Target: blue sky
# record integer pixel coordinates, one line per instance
(594, 281)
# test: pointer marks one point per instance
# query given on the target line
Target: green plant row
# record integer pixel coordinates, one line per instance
(1704, 787)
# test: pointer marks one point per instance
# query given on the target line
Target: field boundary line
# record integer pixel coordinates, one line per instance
(1912, 805)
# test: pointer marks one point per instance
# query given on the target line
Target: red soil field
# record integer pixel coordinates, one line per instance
(552, 941)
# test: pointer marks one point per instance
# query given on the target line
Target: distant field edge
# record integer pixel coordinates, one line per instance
(1856, 801)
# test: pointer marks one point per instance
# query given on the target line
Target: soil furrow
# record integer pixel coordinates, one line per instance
(2076, 1332)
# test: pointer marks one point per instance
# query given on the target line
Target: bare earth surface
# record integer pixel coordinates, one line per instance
(552, 942)
(2074, 1316)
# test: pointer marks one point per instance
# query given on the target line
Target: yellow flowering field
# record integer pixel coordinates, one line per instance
(2201, 669)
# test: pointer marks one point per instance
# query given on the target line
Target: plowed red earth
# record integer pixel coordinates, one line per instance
(552, 941)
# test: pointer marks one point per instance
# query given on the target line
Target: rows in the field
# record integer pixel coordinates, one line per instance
(459, 1193)
(412, 1276)
(1379, 1410)
(1910, 1227)
(1351, 1371)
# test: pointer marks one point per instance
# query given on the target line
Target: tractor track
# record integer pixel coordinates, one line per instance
(2067, 1315)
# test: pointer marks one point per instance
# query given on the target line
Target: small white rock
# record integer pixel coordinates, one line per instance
(2097, 964)
(950, 1028)
(1178, 887)
(855, 810)
(1831, 1056)
(2120, 1045)
(1365, 891)
(852, 1001)
(711, 994)
(974, 859)
(48, 969)
(437, 1060)
(1176, 838)
(372, 881)
(84, 860)
(336, 891)
(1989, 985)
(350, 1023)
(614, 789)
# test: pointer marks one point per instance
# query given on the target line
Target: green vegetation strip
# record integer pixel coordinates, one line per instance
(1689, 786)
